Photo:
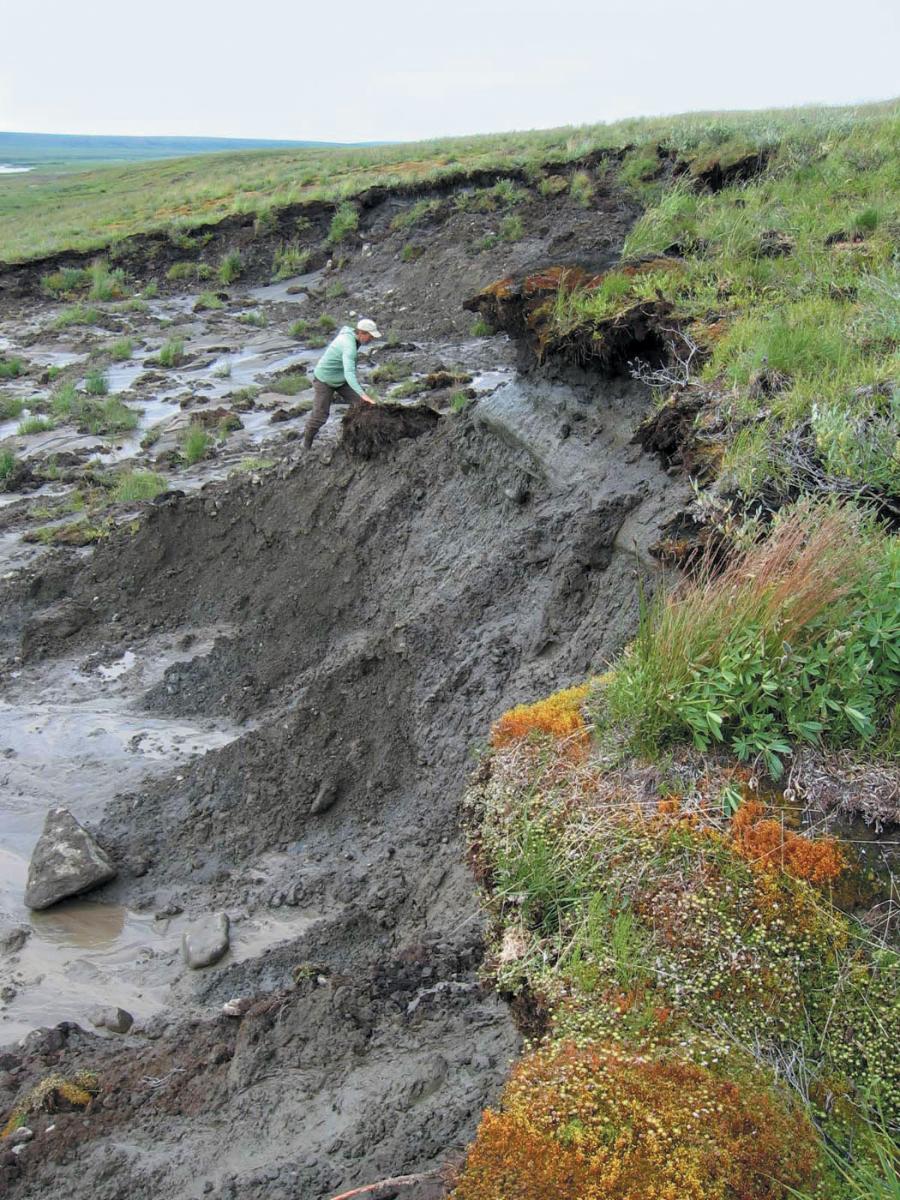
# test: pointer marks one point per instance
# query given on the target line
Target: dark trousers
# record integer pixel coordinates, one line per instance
(323, 397)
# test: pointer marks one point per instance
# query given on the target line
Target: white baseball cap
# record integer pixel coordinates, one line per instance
(367, 326)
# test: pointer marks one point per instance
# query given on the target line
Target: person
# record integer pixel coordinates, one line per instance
(335, 375)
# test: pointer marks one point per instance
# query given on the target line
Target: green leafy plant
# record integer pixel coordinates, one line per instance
(132, 486)
(799, 639)
(171, 354)
(290, 259)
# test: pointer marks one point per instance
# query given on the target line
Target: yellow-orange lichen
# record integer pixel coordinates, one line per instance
(594, 1123)
(767, 845)
(559, 716)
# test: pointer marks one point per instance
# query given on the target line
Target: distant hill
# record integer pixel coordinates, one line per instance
(60, 149)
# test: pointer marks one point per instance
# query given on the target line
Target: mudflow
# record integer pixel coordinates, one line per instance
(263, 695)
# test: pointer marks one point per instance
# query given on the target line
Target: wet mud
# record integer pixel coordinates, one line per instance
(264, 693)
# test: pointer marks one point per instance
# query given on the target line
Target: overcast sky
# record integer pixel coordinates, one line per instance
(397, 69)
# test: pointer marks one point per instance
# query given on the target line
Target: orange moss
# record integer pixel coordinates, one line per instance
(596, 1124)
(767, 845)
(558, 715)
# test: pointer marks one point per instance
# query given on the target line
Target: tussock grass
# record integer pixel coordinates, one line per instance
(96, 383)
(35, 424)
(10, 407)
(171, 353)
(7, 465)
(11, 368)
(132, 486)
(290, 259)
(230, 268)
(78, 314)
(195, 444)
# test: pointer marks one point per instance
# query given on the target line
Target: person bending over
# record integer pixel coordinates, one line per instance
(335, 375)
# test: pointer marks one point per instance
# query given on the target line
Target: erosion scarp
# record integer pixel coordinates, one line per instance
(378, 614)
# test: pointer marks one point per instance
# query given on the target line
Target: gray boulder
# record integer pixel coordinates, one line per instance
(116, 1020)
(66, 861)
(205, 941)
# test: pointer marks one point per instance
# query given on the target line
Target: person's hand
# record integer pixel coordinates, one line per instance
(366, 399)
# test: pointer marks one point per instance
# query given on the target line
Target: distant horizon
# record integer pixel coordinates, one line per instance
(325, 143)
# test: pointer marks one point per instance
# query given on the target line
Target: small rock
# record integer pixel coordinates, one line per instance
(66, 861)
(205, 941)
(236, 1007)
(116, 1020)
(12, 939)
(20, 1136)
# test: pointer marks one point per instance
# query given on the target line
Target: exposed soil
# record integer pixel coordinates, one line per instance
(361, 614)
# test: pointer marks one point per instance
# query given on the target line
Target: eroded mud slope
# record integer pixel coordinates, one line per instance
(384, 612)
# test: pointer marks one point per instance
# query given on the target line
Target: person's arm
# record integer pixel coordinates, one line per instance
(349, 361)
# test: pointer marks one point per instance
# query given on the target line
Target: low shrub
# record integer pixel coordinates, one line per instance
(327, 323)
(299, 328)
(104, 417)
(257, 318)
(208, 301)
(797, 639)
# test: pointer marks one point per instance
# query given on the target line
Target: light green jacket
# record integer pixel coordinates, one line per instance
(338, 364)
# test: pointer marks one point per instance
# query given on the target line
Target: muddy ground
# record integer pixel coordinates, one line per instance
(291, 667)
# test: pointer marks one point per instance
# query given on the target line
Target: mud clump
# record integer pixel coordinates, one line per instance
(368, 430)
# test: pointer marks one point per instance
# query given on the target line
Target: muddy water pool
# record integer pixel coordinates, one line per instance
(72, 733)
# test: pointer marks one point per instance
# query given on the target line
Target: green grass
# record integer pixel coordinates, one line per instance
(480, 328)
(194, 272)
(290, 384)
(344, 222)
(195, 444)
(10, 407)
(390, 371)
(209, 301)
(290, 259)
(512, 229)
(416, 214)
(48, 211)
(35, 424)
(121, 350)
(327, 323)
(797, 641)
(96, 383)
(230, 268)
(256, 318)
(300, 328)
(131, 486)
(411, 251)
(11, 368)
(581, 188)
(106, 284)
(822, 319)
(171, 353)
(106, 417)
(458, 401)
(66, 282)
(7, 465)
(78, 314)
